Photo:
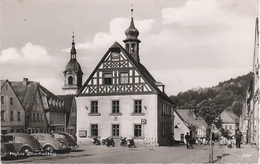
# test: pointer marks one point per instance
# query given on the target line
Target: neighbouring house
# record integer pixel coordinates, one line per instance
(122, 99)
(42, 110)
(29, 95)
(230, 121)
(244, 123)
(12, 110)
(71, 116)
(54, 110)
(181, 128)
(253, 98)
(197, 125)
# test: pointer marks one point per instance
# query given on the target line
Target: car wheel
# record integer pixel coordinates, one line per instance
(48, 148)
(26, 150)
(65, 148)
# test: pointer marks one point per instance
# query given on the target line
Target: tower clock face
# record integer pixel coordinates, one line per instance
(115, 55)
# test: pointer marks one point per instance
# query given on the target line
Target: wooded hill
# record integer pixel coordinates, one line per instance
(230, 94)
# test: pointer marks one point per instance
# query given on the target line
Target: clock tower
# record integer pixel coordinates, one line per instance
(72, 73)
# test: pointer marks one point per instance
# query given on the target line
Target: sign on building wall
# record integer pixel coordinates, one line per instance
(82, 133)
(143, 121)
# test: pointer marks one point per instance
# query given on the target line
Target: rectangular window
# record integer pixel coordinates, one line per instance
(2, 99)
(225, 126)
(19, 116)
(11, 101)
(94, 130)
(138, 106)
(138, 131)
(124, 78)
(94, 106)
(108, 78)
(34, 116)
(115, 130)
(12, 115)
(38, 116)
(230, 126)
(115, 106)
(2, 115)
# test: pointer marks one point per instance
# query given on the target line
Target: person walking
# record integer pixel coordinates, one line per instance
(238, 136)
(187, 138)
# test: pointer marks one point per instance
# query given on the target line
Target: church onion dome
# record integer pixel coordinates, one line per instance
(73, 65)
(73, 49)
(131, 33)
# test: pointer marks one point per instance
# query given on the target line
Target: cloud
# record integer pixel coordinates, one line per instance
(29, 54)
(116, 33)
(201, 11)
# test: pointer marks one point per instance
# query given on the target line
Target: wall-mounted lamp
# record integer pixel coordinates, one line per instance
(86, 107)
(145, 107)
(115, 118)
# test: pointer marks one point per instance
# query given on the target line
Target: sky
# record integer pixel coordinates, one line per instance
(185, 44)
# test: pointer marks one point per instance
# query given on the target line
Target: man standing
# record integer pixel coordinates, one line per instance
(187, 138)
(238, 136)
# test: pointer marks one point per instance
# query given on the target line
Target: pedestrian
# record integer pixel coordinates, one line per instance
(187, 138)
(191, 142)
(238, 136)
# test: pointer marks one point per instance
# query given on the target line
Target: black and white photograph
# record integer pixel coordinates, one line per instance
(129, 81)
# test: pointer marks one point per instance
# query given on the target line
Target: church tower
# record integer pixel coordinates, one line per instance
(72, 73)
(131, 41)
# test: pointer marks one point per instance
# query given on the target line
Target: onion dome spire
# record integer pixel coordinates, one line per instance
(131, 32)
(73, 51)
(131, 41)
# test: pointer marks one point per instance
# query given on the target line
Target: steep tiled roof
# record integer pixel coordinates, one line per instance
(68, 99)
(190, 117)
(25, 93)
(234, 118)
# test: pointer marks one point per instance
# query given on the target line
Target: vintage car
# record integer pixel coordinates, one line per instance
(48, 142)
(7, 149)
(67, 140)
(23, 143)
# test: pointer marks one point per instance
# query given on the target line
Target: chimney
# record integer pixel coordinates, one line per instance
(25, 81)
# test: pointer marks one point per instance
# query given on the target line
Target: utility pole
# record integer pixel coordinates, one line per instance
(211, 145)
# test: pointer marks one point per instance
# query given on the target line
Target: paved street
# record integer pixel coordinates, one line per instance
(103, 154)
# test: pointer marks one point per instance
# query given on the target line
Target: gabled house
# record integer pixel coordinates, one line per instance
(28, 94)
(42, 111)
(181, 128)
(121, 98)
(54, 110)
(230, 121)
(197, 125)
(71, 116)
(12, 110)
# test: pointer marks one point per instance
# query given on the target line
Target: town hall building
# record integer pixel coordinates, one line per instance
(122, 99)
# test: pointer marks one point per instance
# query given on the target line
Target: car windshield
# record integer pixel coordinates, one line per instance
(33, 138)
(6, 138)
(59, 136)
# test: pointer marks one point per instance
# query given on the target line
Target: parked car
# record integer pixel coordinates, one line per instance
(67, 140)
(48, 142)
(6, 148)
(23, 143)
